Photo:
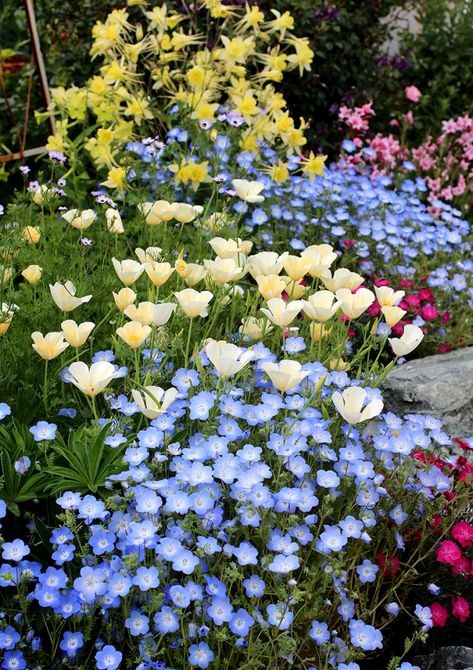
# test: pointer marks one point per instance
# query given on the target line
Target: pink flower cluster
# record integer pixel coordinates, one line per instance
(357, 118)
(445, 162)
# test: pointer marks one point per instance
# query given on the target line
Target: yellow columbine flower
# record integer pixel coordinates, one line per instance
(252, 18)
(193, 172)
(303, 56)
(314, 165)
(279, 172)
(116, 178)
(280, 24)
(139, 109)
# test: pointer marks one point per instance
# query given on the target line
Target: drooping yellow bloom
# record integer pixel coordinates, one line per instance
(314, 165)
(116, 178)
(191, 171)
(281, 23)
(303, 56)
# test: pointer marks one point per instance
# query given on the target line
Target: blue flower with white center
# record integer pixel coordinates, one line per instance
(280, 616)
(5, 410)
(319, 632)
(241, 622)
(246, 554)
(200, 655)
(424, 615)
(367, 571)
(146, 578)
(220, 610)
(108, 658)
(43, 431)
(71, 643)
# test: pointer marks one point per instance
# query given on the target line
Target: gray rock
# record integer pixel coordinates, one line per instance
(447, 658)
(440, 385)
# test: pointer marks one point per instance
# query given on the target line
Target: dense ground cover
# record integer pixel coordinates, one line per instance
(197, 468)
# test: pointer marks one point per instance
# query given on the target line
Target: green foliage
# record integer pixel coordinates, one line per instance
(442, 60)
(16, 488)
(84, 463)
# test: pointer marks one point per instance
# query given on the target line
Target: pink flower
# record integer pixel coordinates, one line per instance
(463, 533)
(429, 312)
(412, 93)
(439, 614)
(448, 552)
(461, 567)
(460, 608)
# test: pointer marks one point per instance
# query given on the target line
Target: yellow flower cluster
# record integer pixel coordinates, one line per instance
(250, 54)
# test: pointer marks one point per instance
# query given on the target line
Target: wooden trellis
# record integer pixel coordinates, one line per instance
(41, 70)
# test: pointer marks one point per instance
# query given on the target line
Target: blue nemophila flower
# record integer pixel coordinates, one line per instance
(280, 616)
(220, 610)
(166, 621)
(246, 554)
(63, 554)
(5, 410)
(365, 636)
(115, 440)
(254, 586)
(9, 637)
(100, 356)
(108, 658)
(90, 584)
(22, 465)
(424, 615)
(393, 608)
(13, 660)
(241, 622)
(68, 412)
(137, 623)
(102, 542)
(71, 643)
(146, 578)
(200, 405)
(43, 431)
(14, 551)
(319, 632)
(367, 571)
(200, 655)
(90, 508)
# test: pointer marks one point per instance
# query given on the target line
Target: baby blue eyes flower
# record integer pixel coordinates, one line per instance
(13, 660)
(22, 465)
(14, 551)
(166, 621)
(108, 658)
(43, 431)
(241, 622)
(9, 638)
(279, 616)
(5, 410)
(367, 571)
(283, 564)
(68, 412)
(137, 623)
(319, 632)
(365, 636)
(254, 586)
(146, 578)
(424, 615)
(200, 655)
(71, 643)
